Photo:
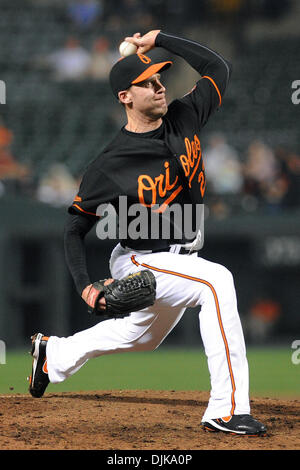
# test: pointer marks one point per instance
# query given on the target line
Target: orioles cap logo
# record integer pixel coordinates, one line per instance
(144, 58)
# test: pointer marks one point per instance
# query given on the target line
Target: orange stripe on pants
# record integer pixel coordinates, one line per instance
(202, 281)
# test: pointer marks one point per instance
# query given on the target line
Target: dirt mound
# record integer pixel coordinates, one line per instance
(135, 420)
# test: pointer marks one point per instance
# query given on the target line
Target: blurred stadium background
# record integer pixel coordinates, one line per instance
(59, 113)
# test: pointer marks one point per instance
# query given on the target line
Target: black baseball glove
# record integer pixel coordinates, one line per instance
(130, 294)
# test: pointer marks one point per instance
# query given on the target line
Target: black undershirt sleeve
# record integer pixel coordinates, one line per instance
(203, 59)
(76, 228)
(207, 94)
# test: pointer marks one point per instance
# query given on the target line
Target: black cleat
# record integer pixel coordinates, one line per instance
(39, 379)
(237, 424)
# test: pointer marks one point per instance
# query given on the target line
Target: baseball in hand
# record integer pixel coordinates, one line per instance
(126, 48)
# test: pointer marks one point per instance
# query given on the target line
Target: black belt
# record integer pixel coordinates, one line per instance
(182, 251)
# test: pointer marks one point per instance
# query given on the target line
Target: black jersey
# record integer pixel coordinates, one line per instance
(159, 167)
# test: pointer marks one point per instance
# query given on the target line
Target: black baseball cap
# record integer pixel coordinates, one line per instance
(133, 69)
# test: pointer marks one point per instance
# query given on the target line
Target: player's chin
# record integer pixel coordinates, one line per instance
(160, 109)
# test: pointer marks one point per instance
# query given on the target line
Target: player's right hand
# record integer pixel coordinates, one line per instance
(144, 43)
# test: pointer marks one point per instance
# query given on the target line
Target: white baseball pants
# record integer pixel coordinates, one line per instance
(182, 281)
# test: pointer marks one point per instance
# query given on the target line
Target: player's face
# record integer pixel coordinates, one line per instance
(149, 97)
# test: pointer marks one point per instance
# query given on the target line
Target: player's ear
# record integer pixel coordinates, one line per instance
(125, 97)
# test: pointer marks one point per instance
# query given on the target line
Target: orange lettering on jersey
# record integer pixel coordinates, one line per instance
(192, 157)
(142, 186)
(158, 187)
(168, 185)
(191, 161)
(161, 186)
(185, 164)
(202, 182)
(165, 204)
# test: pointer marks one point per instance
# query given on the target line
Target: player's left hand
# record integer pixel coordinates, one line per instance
(130, 294)
(144, 43)
(89, 295)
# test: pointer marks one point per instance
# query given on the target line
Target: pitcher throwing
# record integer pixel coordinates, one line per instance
(155, 161)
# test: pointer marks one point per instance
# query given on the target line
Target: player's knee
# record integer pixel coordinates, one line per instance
(147, 344)
(224, 277)
(143, 347)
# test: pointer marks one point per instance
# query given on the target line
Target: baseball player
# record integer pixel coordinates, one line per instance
(155, 161)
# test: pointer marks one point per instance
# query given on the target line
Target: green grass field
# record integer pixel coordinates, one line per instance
(272, 372)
